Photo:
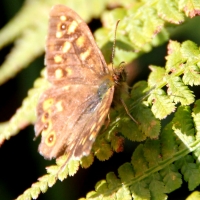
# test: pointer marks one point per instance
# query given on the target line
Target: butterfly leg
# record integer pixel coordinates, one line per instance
(128, 113)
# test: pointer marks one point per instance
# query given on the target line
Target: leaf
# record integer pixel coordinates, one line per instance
(117, 143)
(183, 124)
(191, 8)
(140, 190)
(191, 75)
(102, 149)
(25, 115)
(101, 186)
(168, 142)
(190, 171)
(196, 117)
(112, 180)
(157, 188)
(168, 10)
(174, 57)
(73, 166)
(123, 193)
(86, 161)
(178, 91)
(149, 125)
(138, 161)
(162, 104)
(51, 180)
(143, 26)
(25, 49)
(194, 196)
(126, 172)
(130, 130)
(190, 50)
(35, 191)
(152, 152)
(171, 178)
(156, 75)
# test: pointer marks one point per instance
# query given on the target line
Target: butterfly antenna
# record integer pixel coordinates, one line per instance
(114, 43)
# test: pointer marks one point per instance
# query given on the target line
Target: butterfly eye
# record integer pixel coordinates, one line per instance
(50, 139)
(63, 26)
(46, 126)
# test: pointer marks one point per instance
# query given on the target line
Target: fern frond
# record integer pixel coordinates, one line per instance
(59, 171)
(171, 177)
(156, 164)
(180, 71)
(174, 57)
(27, 30)
(25, 115)
(170, 13)
(178, 91)
(156, 76)
(183, 124)
(191, 8)
(162, 104)
(190, 171)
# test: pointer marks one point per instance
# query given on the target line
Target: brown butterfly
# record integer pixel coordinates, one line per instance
(71, 112)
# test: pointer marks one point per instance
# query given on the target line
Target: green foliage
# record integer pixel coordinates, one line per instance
(167, 135)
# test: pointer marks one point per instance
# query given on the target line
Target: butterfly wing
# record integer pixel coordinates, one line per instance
(72, 55)
(71, 112)
(72, 120)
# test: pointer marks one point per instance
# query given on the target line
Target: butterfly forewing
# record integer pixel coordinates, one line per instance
(71, 112)
(70, 43)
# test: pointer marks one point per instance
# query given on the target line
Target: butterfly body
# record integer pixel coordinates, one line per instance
(71, 112)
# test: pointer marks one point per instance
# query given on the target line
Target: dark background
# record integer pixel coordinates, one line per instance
(21, 165)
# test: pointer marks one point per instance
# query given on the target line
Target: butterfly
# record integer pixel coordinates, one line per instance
(71, 112)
